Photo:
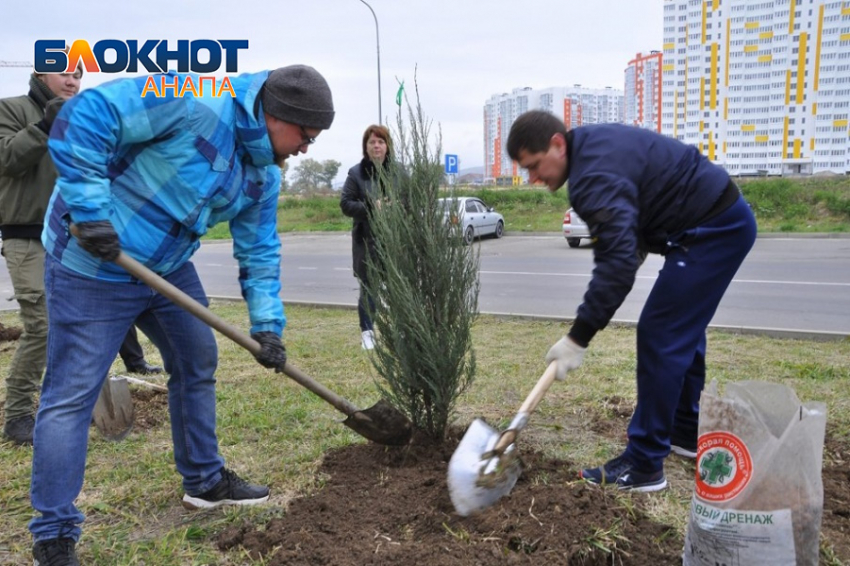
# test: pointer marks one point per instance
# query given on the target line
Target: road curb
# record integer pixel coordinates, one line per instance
(784, 333)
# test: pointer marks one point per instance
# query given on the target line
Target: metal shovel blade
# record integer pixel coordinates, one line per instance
(113, 412)
(476, 478)
(381, 423)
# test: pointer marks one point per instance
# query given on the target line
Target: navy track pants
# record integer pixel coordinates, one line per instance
(698, 268)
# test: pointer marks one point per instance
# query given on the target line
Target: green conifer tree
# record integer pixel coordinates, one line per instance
(424, 282)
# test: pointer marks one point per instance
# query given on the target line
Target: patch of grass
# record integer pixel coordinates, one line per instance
(799, 205)
(273, 431)
(299, 214)
(780, 205)
(812, 370)
(460, 534)
(218, 232)
(605, 540)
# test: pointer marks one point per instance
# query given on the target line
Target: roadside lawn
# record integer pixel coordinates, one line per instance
(272, 431)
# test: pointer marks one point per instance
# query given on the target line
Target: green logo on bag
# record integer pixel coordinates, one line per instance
(715, 467)
(724, 466)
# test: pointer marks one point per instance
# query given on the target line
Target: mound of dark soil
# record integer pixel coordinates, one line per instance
(835, 525)
(9, 333)
(383, 506)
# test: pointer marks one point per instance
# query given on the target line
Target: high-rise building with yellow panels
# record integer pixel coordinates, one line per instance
(760, 86)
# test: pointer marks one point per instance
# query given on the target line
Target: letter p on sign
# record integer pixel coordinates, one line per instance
(451, 164)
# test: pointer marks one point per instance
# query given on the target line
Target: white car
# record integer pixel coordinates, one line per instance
(574, 228)
(477, 218)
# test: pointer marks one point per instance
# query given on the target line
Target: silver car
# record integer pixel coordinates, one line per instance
(574, 228)
(476, 218)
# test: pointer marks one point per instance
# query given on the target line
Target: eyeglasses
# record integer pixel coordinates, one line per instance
(305, 137)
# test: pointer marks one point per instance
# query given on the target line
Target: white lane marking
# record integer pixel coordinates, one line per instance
(215, 265)
(587, 275)
(308, 268)
(534, 273)
(816, 283)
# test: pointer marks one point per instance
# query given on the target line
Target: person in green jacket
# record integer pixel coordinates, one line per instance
(27, 177)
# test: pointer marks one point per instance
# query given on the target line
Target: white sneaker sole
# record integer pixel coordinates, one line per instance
(683, 452)
(194, 503)
(646, 488)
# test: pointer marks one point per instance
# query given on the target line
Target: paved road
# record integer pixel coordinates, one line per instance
(790, 284)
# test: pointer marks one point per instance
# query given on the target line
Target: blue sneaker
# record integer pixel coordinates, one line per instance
(621, 472)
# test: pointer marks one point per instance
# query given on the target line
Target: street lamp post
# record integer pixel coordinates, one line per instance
(378, 43)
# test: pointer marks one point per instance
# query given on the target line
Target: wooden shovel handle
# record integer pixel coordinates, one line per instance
(142, 382)
(540, 388)
(186, 302)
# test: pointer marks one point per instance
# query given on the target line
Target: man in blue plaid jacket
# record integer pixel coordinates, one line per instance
(149, 175)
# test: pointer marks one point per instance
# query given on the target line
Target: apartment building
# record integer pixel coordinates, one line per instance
(643, 91)
(576, 105)
(760, 86)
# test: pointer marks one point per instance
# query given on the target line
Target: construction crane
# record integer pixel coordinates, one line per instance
(15, 64)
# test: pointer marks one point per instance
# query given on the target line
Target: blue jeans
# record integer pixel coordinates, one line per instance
(698, 268)
(88, 320)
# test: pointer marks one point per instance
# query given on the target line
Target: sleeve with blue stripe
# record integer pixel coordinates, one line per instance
(256, 246)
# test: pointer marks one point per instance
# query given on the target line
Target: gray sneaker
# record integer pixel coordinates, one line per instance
(19, 430)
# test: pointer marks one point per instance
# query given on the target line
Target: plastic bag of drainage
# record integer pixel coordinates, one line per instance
(758, 495)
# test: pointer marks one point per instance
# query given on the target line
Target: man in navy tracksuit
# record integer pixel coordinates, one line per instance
(640, 193)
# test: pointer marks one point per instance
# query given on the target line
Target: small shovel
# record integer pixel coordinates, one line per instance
(381, 423)
(485, 466)
(113, 411)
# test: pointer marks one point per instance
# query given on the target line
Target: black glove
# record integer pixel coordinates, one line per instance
(99, 239)
(273, 354)
(51, 110)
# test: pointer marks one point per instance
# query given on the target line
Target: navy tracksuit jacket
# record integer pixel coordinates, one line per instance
(641, 192)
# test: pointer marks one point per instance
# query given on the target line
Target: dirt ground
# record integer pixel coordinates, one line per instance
(9, 333)
(391, 506)
(386, 506)
(150, 408)
(835, 526)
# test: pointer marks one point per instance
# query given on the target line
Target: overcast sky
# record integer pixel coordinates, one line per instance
(466, 51)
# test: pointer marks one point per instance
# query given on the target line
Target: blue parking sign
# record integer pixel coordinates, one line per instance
(451, 164)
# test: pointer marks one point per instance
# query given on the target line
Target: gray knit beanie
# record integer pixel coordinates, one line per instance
(298, 94)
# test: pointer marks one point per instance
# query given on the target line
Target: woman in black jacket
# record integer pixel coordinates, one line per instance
(361, 191)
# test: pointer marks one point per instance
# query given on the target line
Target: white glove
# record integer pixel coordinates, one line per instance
(567, 354)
